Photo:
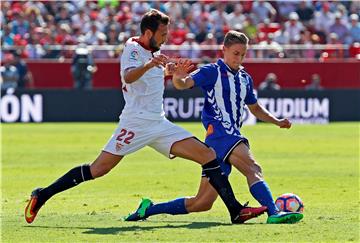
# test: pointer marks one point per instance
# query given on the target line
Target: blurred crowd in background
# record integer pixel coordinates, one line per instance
(44, 29)
(82, 31)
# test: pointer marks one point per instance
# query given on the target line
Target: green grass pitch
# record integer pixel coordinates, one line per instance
(320, 163)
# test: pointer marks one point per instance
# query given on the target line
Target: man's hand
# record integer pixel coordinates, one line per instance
(284, 123)
(170, 68)
(182, 68)
(181, 79)
(133, 74)
(157, 61)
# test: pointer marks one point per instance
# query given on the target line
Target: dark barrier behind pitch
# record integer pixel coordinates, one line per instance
(106, 105)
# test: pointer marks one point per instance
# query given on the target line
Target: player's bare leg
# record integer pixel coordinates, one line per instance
(190, 149)
(215, 180)
(244, 161)
(102, 165)
(193, 149)
(206, 197)
(203, 201)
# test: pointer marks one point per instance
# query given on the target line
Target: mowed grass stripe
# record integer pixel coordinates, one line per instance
(320, 163)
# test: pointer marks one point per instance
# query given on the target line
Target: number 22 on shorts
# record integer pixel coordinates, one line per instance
(125, 136)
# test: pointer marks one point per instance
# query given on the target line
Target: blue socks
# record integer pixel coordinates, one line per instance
(174, 207)
(261, 192)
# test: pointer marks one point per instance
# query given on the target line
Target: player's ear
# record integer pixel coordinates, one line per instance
(148, 33)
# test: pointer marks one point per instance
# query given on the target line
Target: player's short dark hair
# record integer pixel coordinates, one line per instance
(152, 19)
(235, 37)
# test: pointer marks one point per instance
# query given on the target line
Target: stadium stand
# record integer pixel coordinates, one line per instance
(42, 28)
(310, 31)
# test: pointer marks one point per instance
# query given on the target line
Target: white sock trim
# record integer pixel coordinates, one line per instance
(82, 173)
(255, 183)
(212, 168)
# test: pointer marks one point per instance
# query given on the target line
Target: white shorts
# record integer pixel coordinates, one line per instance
(134, 134)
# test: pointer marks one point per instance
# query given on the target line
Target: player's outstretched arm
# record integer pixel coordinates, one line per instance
(181, 79)
(264, 115)
(133, 74)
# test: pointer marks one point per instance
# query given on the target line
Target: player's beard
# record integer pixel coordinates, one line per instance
(153, 45)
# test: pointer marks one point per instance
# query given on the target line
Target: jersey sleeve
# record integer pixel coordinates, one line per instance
(250, 98)
(204, 76)
(131, 57)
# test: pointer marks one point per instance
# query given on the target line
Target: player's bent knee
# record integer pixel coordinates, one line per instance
(259, 168)
(256, 168)
(257, 171)
(206, 206)
(251, 170)
(194, 204)
(202, 206)
(97, 171)
(209, 154)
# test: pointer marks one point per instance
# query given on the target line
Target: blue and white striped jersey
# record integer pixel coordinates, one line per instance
(226, 93)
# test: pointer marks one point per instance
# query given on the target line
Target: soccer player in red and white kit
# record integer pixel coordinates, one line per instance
(142, 123)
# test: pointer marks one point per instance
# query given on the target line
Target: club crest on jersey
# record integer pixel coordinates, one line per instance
(118, 147)
(134, 55)
(243, 80)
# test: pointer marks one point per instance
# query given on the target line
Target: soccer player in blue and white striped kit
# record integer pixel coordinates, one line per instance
(227, 88)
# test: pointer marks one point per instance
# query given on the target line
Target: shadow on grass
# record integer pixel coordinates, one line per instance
(137, 228)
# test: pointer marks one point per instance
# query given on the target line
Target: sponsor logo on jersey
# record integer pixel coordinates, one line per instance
(134, 55)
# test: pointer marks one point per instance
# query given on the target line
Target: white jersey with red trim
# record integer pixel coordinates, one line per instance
(144, 97)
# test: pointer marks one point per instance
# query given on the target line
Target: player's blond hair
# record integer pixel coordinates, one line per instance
(235, 37)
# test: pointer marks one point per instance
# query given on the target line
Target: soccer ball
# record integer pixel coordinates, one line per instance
(289, 202)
